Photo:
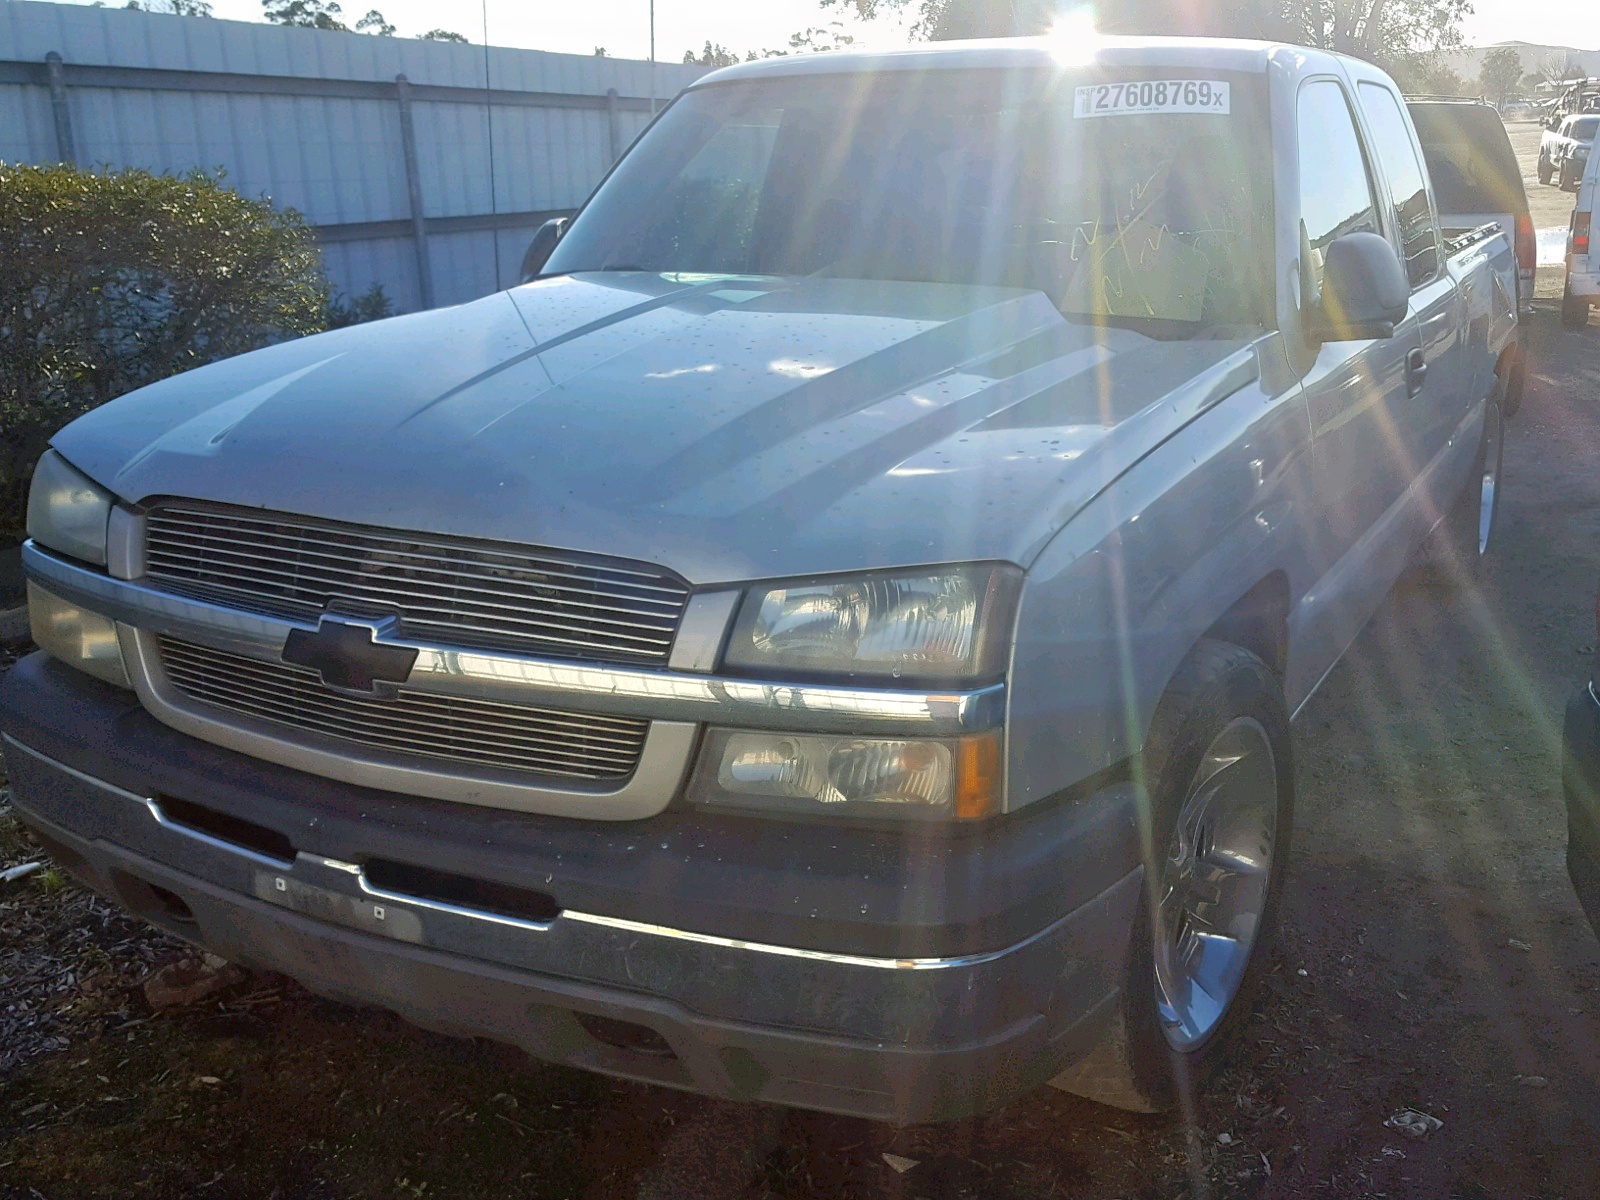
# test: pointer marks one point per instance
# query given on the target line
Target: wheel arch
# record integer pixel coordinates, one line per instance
(1258, 621)
(1512, 369)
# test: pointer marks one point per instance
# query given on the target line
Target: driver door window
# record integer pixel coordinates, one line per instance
(1355, 390)
(1335, 188)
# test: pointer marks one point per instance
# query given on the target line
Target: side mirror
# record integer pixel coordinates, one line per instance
(542, 247)
(1364, 290)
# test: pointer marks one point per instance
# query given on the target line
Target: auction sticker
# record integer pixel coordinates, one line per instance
(1151, 96)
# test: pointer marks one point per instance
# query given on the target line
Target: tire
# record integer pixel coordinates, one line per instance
(1574, 309)
(1546, 172)
(1568, 182)
(1466, 536)
(1223, 706)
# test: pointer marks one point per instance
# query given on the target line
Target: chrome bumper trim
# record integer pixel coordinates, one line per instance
(660, 695)
(848, 960)
(325, 868)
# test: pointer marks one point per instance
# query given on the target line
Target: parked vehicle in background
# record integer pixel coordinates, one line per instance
(1580, 787)
(1577, 95)
(1477, 181)
(832, 638)
(1582, 291)
(1564, 149)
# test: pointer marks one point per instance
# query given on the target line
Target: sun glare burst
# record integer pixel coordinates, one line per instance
(1073, 37)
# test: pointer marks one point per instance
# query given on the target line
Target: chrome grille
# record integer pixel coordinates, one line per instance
(478, 733)
(479, 595)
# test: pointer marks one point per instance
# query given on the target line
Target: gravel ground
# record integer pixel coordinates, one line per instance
(1433, 957)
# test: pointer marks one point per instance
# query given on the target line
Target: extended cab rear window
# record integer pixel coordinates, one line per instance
(1142, 198)
(1470, 159)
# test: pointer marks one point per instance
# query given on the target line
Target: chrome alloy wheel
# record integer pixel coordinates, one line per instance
(1494, 427)
(1214, 883)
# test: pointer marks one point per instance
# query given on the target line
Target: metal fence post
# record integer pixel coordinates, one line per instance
(58, 105)
(419, 225)
(614, 124)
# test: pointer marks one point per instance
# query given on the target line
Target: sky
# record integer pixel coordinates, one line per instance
(622, 26)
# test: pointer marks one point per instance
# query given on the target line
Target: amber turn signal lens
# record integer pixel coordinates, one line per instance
(978, 777)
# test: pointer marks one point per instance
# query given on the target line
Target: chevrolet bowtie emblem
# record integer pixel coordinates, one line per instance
(347, 655)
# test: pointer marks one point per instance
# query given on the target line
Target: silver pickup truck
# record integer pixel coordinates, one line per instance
(832, 637)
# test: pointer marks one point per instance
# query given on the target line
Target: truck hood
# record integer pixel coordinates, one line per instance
(725, 428)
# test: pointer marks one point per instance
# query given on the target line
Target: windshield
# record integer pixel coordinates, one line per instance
(1583, 129)
(1156, 218)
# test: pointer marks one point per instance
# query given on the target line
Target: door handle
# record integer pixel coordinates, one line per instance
(1416, 372)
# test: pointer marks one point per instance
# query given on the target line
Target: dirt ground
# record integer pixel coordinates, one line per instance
(1433, 957)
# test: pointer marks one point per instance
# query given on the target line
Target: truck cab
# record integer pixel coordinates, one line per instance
(831, 638)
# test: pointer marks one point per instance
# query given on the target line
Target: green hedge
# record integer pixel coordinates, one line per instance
(110, 281)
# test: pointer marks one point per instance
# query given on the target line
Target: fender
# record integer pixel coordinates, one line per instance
(1114, 602)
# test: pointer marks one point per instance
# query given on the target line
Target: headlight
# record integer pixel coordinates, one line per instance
(76, 636)
(900, 778)
(945, 623)
(66, 512)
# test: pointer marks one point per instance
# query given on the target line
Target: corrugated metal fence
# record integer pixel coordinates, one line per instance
(385, 144)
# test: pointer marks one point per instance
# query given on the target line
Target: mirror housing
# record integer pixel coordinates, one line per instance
(542, 247)
(1364, 290)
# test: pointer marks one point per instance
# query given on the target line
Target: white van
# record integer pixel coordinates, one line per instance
(1583, 260)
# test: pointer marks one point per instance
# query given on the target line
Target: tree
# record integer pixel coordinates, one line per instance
(1500, 73)
(442, 35)
(115, 279)
(1426, 74)
(176, 8)
(1376, 30)
(375, 22)
(307, 14)
(816, 40)
(712, 56)
(1381, 31)
(371, 305)
(1561, 66)
(601, 52)
(942, 20)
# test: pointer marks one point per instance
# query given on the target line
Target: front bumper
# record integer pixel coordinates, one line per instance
(943, 979)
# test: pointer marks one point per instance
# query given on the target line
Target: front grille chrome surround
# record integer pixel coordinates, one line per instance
(676, 702)
(470, 734)
(471, 595)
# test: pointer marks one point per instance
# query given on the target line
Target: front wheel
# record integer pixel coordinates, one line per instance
(1219, 776)
(1546, 174)
(1574, 309)
(1569, 178)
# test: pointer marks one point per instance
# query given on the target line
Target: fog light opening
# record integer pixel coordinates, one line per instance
(626, 1035)
(151, 901)
(173, 907)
